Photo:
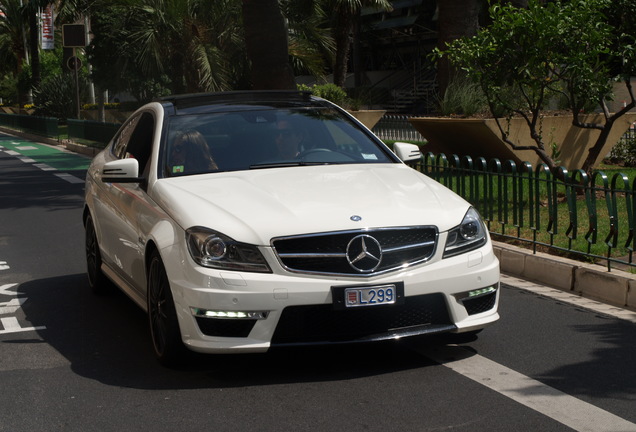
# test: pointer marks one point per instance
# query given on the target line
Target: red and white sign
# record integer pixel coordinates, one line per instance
(48, 30)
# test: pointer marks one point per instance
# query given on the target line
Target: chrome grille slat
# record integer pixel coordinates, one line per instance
(401, 248)
(326, 253)
(312, 255)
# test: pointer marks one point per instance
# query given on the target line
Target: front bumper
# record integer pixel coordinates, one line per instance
(224, 311)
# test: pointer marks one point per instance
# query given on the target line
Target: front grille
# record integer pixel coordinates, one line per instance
(323, 324)
(480, 304)
(332, 253)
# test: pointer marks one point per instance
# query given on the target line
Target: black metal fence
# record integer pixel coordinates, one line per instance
(45, 126)
(87, 130)
(591, 218)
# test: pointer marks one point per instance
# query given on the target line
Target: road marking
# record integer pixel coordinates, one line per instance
(27, 160)
(12, 306)
(568, 410)
(4, 289)
(11, 325)
(44, 167)
(69, 178)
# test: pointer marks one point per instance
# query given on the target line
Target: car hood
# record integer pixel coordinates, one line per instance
(258, 205)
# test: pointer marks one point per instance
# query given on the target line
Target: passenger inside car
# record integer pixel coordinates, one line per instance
(190, 153)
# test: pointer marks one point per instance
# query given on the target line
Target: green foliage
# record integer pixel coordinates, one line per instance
(8, 85)
(329, 91)
(572, 51)
(624, 152)
(56, 96)
(540, 52)
(463, 97)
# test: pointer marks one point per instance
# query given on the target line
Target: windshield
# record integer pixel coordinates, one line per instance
(265, 138)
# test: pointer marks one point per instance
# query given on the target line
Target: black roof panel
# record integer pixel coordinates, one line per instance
(197, 102)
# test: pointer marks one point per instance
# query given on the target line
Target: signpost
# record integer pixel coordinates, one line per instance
(74, 36)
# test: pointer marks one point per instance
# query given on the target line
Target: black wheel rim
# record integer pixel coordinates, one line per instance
(157, 305)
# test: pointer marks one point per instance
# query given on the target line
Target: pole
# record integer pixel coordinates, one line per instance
(77, 98)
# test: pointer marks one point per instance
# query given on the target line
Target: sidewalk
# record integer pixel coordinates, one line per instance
(617, 288)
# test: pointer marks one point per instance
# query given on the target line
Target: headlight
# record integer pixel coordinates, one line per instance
(469, 235)
(212, 249)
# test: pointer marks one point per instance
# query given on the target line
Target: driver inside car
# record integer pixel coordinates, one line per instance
(288, 140)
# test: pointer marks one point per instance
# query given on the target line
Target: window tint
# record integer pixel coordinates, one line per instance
(266, 138)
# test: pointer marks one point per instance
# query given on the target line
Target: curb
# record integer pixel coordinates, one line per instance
(616, 288)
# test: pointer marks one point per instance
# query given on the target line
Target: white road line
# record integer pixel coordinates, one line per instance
(12, 305)
(27, 160)
(69, 178)
(568, 410)
(44, 167)
(11, 325)
(12, 153)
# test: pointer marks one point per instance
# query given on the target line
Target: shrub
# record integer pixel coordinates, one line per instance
(56, 96)
(329, 91)
(463, 97)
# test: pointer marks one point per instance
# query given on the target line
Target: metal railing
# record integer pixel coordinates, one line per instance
(45, 126)
(585, 217)
(396, 128)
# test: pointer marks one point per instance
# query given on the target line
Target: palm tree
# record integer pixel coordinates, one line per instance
(457, 18)
(187, 40)
(344, 16)
(266, 41)
(30, 14)
(12, 39)
(311, 44)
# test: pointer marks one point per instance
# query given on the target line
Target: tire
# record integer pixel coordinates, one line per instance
(96, 279)
(162, 316)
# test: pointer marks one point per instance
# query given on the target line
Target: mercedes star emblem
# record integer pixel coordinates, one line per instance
(364, 253)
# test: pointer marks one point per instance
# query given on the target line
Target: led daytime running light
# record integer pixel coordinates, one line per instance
(206, 313)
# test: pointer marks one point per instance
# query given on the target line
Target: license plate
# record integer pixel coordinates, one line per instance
(370, 296)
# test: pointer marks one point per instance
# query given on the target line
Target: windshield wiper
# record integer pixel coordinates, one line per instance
(285, 164)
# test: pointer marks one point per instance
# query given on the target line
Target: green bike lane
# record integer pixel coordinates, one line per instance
(44, 156)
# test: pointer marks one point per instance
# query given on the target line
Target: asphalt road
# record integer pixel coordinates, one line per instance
(72, 361)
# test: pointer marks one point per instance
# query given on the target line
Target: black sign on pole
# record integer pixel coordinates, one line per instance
(74, 63)
(74, 35)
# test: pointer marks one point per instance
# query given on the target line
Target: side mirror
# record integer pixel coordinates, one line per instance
(121, 171)
(407, 152)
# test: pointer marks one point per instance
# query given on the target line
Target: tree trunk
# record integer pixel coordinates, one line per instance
(267, 45)
(457, 18)
(34, 45)
(343, 45)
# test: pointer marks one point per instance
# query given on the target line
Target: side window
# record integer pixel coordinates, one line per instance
(122, 138)
(135, 139)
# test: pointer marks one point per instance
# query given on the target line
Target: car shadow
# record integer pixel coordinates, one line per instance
(105, 338)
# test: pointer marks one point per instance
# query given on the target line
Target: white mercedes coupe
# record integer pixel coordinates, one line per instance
(241, 221)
